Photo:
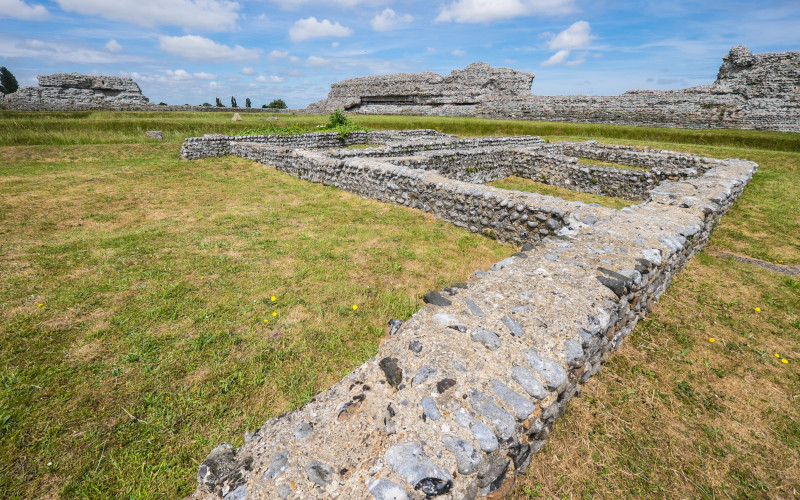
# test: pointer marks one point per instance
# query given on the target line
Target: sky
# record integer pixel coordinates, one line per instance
(192, 51)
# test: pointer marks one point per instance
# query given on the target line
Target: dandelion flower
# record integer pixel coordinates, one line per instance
(785, 361)
(712, 339)
(777, 355)
(273, 298)
(274, 314)
(355, 307)
(40, 305)
(266, 320)
(151, 256)
(758, 309)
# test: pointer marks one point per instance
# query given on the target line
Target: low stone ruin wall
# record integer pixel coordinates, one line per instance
(461, 396)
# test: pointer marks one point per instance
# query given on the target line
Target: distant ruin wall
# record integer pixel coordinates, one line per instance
(752, 91)
(75, 91)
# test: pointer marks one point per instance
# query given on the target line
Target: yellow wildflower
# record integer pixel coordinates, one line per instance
(785, 361)
(758, 309)
(40, 305)
(274, 314)
(711, 340)
(355, 307)
(273, 298)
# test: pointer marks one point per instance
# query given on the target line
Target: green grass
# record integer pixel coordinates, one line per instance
(134, 366)
(590, 161)
(519, 184)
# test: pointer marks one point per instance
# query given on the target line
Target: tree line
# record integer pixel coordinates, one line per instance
(275, 104)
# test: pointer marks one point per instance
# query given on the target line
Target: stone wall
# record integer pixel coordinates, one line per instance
(472, 85)
(752, 91)
(462, 395)
(76, 91)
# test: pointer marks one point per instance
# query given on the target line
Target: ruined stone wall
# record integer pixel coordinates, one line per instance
(75, 91)
(752, 91)
(461, 396)
(471, 85)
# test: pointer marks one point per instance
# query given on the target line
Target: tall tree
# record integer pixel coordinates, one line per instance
(247, 102)
(8, 83)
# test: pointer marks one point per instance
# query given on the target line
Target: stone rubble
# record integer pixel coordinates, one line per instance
(461, 395)
(752, 91)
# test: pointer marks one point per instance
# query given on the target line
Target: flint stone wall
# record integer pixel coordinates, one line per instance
(76, 91)
(752, 91)
(462, 395)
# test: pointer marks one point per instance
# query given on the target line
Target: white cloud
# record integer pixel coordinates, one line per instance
(458, 52)
(481, 11)
(293, 4)
(316, 62)
(178, 75)
(577, 36)
(277, 54)
(215, 15)
(113, 46)
(276, 79)
(261, 79)
(62, 52)
(17, 9)
(248, 71)
(334, 44)
(389, 19)
(198, 48)
(558, 58)
(294, 59)
(305, 29)
(204, 76)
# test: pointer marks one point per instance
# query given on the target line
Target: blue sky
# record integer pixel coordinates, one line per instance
(191, 51)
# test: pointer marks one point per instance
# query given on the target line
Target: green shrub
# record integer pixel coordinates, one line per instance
(8, 82)
(338, 119)
(276, 104)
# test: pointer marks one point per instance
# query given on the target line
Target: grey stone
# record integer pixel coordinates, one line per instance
(528, 381)
(394, 326)
(553, 373)
(459, 365)
(574, 353)
(284, 490)
(468, 459)
(485, 337)
(239, 493)
(474, 309)
(415, 346)
(394, 374)
(502, 264)
(487, 440)
(279, 464)
(502, 420)
(429, 409)
(320, 473)
(521, 406)
(383, 489)
(435, 298)
(513, 326)
(408, 460)
(423, 374)
(302, 431)
(444, 384)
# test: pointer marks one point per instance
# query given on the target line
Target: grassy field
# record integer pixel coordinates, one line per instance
(139, 329)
